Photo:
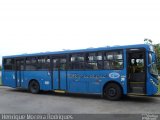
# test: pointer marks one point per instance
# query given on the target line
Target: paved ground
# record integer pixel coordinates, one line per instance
(20, 101)
(0, 78)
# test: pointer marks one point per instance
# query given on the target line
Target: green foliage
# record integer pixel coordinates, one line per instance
(0, 67)
(157, 50)
(148, 41)
(158, 89)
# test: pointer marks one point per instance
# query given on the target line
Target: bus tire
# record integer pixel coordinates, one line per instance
(112, 91)
(34, 87)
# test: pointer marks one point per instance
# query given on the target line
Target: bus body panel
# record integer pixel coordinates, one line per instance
(75, 83)
(151, 86)
(20, 78)
(59, 80)
(63, 80)
(43, 78)
(94, 81)
(151, 82)
(55, 80)
(9, 79)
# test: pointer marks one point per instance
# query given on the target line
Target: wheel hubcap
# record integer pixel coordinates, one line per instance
(112, 92)
(34, 86)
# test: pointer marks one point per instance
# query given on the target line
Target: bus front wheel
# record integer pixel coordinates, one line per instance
(112, 91)
(34, 87)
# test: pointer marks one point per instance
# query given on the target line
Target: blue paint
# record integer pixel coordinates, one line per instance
(89, 81)
(8, 79)
(40, 76)
(59, 80)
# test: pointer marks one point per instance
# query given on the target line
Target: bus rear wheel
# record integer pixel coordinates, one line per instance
(112, 91)
(34, 87)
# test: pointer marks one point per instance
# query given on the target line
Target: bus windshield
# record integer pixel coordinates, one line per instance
(153, 69)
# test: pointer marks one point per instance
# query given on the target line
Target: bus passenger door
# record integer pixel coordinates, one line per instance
(59, 74)
(19, 72)
(136, 71)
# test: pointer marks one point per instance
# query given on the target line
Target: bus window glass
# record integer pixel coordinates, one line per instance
(92, 66)
(92, 57)
(118, 55)
(106, 65)
(55, 64)
(113, 60)
(109, 57)
(63, 63)
(20, 64)
(94, 61)
(31, 63)
(43, 63)
(150, 58)
(77, 57)
(99, 56)
(76, 62)
(8, 64)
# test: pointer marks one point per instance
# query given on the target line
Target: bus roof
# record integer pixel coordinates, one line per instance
(146, 46)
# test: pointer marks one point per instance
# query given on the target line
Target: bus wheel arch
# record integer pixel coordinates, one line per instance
(112, 90)
(34, 86)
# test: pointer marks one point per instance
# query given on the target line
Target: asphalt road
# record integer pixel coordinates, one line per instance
(20, 101)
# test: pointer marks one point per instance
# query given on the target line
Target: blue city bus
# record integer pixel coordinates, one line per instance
(108, 71)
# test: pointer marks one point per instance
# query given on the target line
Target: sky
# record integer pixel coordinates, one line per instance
(31, 26)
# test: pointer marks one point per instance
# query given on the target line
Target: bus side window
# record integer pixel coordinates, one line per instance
(63, 62)
(31, 63)
(43, 63)
(8, 64)
(77, 62)
(55, 64)
(20, 64)
(113, 60)
(90, 63)
(94, 61)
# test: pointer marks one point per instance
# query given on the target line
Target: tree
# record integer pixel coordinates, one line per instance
(0, 67)
(148, 41)
(157, 50)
